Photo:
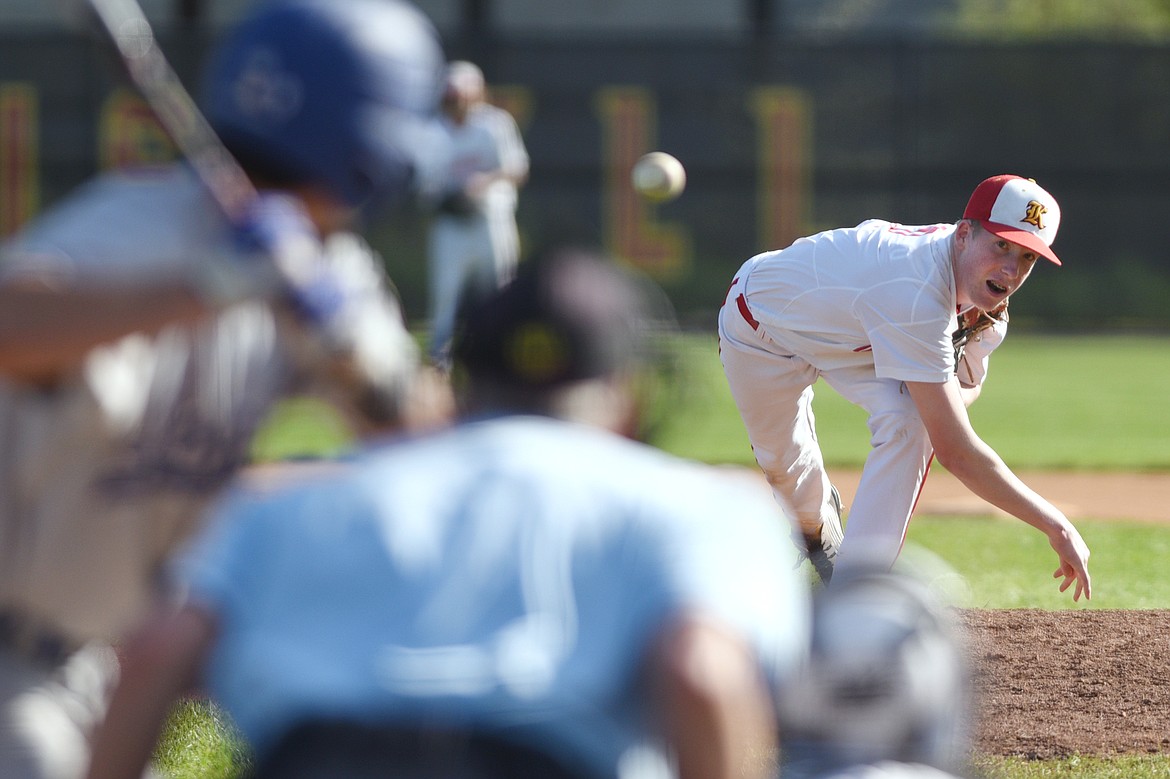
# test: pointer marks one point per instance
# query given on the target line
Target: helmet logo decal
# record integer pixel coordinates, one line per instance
(265, 91)
(538, 353)
(1034, 214)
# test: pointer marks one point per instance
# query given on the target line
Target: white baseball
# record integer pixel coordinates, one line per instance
(658, 176)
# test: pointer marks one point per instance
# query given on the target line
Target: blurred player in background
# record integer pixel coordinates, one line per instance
(143, 340)
(886, 693)
(528, 594)
(474, 244)
(900, 320)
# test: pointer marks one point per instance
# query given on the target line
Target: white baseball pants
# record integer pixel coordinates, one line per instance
(47, 715)
(773, 390)
(472, 256)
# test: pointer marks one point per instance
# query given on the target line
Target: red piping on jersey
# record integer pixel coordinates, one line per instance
(741, 302)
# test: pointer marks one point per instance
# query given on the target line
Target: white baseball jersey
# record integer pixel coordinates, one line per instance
(865, 308)
(478, 251)
(102, 475)
(507, 575)
(507, 152)
(880, 293)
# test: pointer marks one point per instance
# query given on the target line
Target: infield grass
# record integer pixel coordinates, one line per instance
(1077, 767)
(1092, 403)
(1060, 403)
(200, 743)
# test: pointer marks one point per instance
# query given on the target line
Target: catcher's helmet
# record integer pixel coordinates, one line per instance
(886, 680)
(342, 93)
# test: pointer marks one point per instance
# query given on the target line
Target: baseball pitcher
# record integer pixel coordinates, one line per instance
(900, 320)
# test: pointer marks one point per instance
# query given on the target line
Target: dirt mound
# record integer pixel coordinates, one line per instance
(1050, 684)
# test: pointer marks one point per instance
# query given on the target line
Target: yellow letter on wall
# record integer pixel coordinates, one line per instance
(130, 134)
(19, 188)
(784, 159)
(662, 251)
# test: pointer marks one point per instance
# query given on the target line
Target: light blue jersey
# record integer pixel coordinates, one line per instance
(506, 574)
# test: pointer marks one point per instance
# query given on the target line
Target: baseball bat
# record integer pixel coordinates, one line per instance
(126, 27)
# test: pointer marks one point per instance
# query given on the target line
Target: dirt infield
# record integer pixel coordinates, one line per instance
(1142, 497)
(1052, 684)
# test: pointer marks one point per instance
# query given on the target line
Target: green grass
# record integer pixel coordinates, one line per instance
(300, 427)
(1078, 767)
(200, 743)
(1093, 403)
(1050, 403)
(1005, 564)
(1079, 403)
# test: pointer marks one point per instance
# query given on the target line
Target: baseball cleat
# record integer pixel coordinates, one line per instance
(822, 547)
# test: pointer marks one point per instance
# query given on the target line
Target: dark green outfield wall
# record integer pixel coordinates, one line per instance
(779, 137)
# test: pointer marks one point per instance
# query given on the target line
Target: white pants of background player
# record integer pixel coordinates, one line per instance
(773, 390)
(467, 256)
(48, 713)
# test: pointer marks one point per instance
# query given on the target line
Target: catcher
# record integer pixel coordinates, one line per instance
(900, 320)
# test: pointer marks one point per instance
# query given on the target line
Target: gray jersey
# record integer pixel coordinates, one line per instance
(103, 474)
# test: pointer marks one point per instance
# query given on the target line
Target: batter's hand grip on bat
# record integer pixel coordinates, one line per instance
(276, 229)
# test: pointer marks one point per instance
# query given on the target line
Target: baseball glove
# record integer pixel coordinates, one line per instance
(974, 322)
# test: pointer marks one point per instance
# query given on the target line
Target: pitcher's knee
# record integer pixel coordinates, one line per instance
(899, 431)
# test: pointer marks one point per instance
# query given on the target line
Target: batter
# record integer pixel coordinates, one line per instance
(142, 341)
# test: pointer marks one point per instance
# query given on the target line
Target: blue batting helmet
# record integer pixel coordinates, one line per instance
(342, 93)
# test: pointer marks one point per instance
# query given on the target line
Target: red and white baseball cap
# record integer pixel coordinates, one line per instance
(1019, 210)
